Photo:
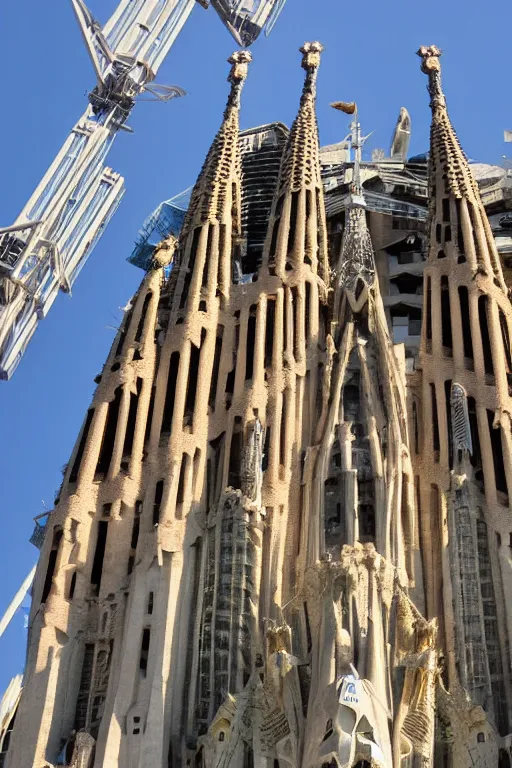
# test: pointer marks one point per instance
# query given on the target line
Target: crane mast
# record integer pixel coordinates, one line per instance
(45, 249)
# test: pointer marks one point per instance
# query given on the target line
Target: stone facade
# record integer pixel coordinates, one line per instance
(273, 547)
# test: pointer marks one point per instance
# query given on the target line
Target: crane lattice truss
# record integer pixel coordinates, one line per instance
(47, 246)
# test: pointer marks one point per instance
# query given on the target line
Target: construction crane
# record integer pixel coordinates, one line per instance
(45, 249)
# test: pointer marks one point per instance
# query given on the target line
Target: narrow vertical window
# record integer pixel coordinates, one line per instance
(446, 321)
(446, 209)
(82, 702)
(124, 331)
(190, 266)
(251, 342)
(172, 378)
(270, 330)
(275, 235)
(235, 455)
(149, 420)
(415, 422)
(295, 321)
(435, 419)
(159, 492)
(208, 256)
(109, 433)
(73, 477)
(497, 455)
(72, 586)
(216, 367)
(99, 555)
(140, 327)
(506, 346)
(308, 310)
(429, 309)
(230, 381)
(132, 420)
(193, 375)
(266, 450)
(151, 598)
(484, 329)
(460, 238)
(180, 498)
(282, 437)
(293, 221)
(448, 397)
(52, 562)
(144, 651)
(466, 323)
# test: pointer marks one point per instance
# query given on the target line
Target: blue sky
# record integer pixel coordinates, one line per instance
(369, 58)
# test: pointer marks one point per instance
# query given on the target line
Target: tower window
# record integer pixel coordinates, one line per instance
(448, 404)
(270, 330)
(235, 456)
(429, 309)
(159, 492)
(293, 221)
(73, 477)
(99, 555)
(52, 561)
(446, 322)
(251, 341)
(497, 454)
(144, 651)
(466, 324)
(140, 327)
(216, 367)
(171, 392)
(484, 328)
(435, 419)
(109, 433)
(132, 420)
(193, 375)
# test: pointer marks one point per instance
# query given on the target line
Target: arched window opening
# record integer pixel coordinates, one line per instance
(170, 395)
(446, 321)
(145, 306)
(467, 338)
(73, 477)
(486, 340)
(109, 433)
(124, 331)
(52, 562)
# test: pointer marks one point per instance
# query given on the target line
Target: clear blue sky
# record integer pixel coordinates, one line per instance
(369, 58)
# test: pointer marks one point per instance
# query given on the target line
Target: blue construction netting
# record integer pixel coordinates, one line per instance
(167, 219)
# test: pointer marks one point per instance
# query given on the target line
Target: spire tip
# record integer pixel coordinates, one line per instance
(430, 55)
(239, 61)
(311, 55)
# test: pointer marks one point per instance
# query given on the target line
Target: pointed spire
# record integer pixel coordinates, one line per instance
(356, 264)
(223, 159)
(301, 166)
(465, 234)
(446, 152)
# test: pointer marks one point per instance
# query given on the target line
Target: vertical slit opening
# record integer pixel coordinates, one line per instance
(82, 702)
(109, 433)
(52, 562)
(448, 405)
(73, 477)
(270, 330)
(216, 367)
(99, 555)
(293, 221)
(171, 393)
(466, 324)
(159, 492)
(230, 381)
(180, 498)
(251, 342)
(429, 309)
(208, 256)
(497, 455)
(435, 420)
(282, 436)
(140, 327)
(193, 375)
(486, 340)
(235, 455)
(415, 422)
(308, 310)
(149, 420)
(446, 322)
(506, 347)
(266, 450)
(132, 420)
(295, 321)
(144, 651)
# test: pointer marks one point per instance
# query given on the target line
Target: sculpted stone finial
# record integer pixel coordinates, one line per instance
(239, 61)
(431, 66)
(310, 62)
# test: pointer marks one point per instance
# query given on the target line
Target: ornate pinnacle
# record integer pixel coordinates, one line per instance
(431, 66)
(310, 62)
(239, 61)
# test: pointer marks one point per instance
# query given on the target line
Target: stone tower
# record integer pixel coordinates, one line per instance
(235, 572)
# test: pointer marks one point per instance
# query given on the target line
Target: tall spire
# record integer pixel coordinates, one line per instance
(356, 264)
(223, 158)
(460, 228)
(300, 166)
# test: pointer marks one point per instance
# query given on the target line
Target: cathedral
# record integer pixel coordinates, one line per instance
(277, 543)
